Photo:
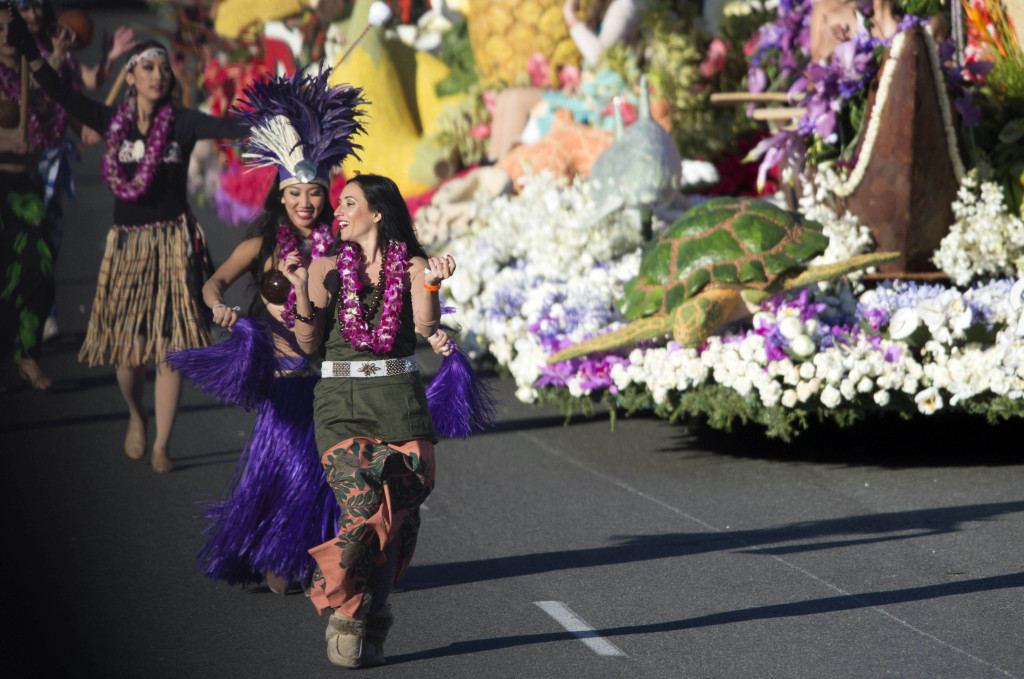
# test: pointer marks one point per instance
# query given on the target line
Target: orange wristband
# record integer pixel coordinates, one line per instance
(432, 288)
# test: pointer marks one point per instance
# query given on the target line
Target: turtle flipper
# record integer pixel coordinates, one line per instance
(697, 319)
(641, 329)
(827, 272)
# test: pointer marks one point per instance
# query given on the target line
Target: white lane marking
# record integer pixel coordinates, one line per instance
(543, 445)
(579, 628)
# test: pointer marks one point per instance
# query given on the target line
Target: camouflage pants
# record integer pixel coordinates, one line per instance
(379, 488)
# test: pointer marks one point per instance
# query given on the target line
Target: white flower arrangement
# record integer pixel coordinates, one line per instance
(542, 277)
(985, 240)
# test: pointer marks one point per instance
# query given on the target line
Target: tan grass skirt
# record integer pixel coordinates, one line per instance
(148, 295)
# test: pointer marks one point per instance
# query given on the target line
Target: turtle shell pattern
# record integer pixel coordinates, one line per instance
(739, 243)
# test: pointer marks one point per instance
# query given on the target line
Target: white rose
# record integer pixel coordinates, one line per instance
(882, 398)
(847, 389)
(789, 398)
(791, 327)
(802, 345)
(830, 396)
(903, 323)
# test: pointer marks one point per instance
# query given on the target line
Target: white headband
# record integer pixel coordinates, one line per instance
(146, 54)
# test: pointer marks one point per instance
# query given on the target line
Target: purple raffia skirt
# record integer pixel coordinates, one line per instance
(279, 504)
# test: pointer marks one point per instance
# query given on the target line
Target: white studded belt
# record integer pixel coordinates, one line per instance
(383, 368)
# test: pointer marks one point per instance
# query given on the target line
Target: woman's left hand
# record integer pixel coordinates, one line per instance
(441, 343)
(439, 269)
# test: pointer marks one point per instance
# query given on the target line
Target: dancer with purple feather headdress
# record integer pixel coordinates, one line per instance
(362, 309)
(279, 504)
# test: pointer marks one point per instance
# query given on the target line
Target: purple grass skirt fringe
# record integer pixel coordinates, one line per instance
(279, 504)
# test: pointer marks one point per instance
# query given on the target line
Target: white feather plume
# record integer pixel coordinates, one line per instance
(279, 138)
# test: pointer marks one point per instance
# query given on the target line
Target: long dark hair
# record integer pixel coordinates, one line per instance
(383, 196)
(173, 90)
(264, 227)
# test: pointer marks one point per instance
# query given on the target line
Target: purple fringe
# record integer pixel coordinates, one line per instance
(238, 370)
(280, 504)
(460, 401)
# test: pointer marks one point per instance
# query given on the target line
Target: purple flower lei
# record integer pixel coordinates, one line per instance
(320, 240)
(351, 315)
(159, 133)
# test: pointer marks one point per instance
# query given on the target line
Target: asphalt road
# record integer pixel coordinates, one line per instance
(891, 549)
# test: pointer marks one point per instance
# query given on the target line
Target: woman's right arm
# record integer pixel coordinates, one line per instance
(223, 278)
(82, 108)
(311, 297)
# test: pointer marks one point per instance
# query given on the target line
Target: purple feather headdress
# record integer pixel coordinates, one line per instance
(301, 125)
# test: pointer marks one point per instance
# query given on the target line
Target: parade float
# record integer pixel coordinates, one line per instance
(899, 150)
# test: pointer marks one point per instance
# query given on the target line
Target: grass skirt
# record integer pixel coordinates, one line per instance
(149, 287)
(279, 504)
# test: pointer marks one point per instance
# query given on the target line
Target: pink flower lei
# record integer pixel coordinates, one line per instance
(353, 317)
(320, 241)
(41, 136)
(159, 133)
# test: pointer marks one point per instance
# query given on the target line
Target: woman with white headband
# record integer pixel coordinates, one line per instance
(148, 296)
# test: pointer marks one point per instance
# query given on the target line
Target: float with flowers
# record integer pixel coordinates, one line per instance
(888, 126)
(938, 330)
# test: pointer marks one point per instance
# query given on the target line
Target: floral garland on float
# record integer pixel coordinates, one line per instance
(835, 352)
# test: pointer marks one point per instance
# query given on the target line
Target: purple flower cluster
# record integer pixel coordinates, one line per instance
(351, 315)
(825, 87)
(320, 240)
(159, 133)
(960, 83)
(782, 48)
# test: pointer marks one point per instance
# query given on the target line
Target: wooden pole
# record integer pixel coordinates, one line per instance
(787, 113)
(23, 108)
(116, 88)
(734, 98)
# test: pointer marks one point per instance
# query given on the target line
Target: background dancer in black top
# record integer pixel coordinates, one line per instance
(148, 296)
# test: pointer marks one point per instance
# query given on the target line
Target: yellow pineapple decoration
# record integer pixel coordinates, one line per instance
(506, 33)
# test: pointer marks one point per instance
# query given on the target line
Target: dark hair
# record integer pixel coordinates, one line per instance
(383, 196)
(155, 44)
(264, 227)
(48, 20)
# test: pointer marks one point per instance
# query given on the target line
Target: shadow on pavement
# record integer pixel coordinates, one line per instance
(947, 440)
(825, 534)
(833, 604)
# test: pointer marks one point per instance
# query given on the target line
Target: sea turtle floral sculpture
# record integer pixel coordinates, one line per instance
(714, 265)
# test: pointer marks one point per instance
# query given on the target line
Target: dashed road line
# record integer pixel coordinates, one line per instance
(579, 628)
(544, 445)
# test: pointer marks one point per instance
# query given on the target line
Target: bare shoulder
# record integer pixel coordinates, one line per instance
(321, 267)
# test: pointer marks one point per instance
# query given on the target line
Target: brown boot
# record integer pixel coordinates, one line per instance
(345, 637)
(377, 626)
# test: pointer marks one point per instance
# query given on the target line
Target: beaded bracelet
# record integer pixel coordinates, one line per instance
(306, 319)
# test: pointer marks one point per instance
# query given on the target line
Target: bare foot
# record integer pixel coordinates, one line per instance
(161, 462)
(135, 438)
(276, 583)
(31, 373)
